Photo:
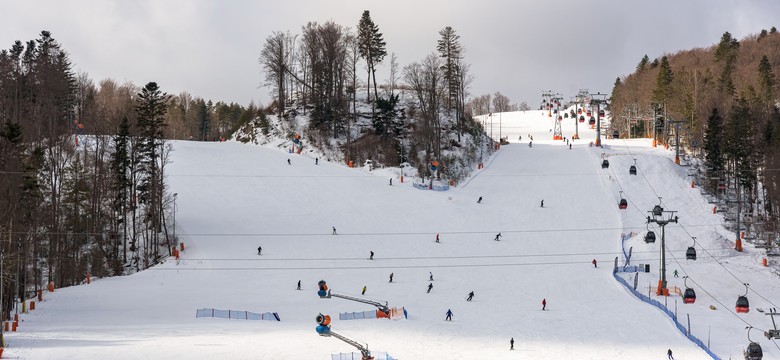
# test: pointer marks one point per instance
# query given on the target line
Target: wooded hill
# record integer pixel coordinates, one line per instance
(726, 99)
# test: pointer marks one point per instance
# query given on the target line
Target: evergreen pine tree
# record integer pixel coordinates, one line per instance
(642, 63)
(371, 47)
(713, 136)
(663, 83)
(766, 80)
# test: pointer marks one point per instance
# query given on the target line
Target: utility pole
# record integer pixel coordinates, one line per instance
(676, 124)
(598, 99)
(738, 242)
(658, 217)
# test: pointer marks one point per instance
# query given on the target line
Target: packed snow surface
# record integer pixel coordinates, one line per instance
(233, 198)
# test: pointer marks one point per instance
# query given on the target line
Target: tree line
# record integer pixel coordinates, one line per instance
(82, 168)
(726, 100)
(419, 114)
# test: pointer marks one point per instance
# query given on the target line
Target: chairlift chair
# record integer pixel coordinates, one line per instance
(743, 305)
(689, 296)
(623, 204)
(754, 352)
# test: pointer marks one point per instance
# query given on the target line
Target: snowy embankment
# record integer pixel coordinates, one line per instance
(233, 198)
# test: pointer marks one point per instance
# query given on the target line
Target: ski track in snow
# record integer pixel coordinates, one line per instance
(243, 194)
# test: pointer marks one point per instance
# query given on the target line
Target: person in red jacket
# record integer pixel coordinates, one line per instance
(595, 263)
(544, 304)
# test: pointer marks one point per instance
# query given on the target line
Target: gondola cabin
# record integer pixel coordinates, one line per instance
(689, 296)
(582, 119)
(601, 113)
(743, 305)
(579, 111)
(690, 254)
(565, 115)
(754, 352)
(623, 204)
(632, 170)
(650, 237)
(592, 121)
(605, 164)
(588, 114)
(616, 134)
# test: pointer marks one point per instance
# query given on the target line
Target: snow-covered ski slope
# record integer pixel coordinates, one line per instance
(233, 198)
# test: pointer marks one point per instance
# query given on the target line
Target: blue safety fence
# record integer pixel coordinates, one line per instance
(437, 185)
(658, 304)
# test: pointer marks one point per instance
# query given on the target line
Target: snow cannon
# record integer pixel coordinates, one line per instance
(434, 165)
(297, 138)
(323, 292)
(324, 325)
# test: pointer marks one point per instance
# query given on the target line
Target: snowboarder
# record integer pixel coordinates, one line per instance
(288, 162)
(437, 237)
(430, 286)
(479, 201)
(512, 344)
(669, 354)
(334, 230)
(299, 284)
(364, 290)
(675, 273)
(431, 278)
(497, 236)
(391, 277)
(449, 315)
(471, 296)
(391, 181)
(542, 202)
(371, 257)
(544, 304)
(316, 161)
(259, 250)
(595, 263)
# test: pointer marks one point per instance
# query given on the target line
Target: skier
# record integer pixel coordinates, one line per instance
(675, 273)
(471, 296)
(391, 181)
(364, 290)
(497, 236)
(519, 137)
(479, 201)
(512, 344)
(449, 315)
(391, 277)
(334, 230)
(288, 162)
(430, 286)
(669, 354)
(371, 257)
(542, 202)
(316, 161)
(530, 144)
(544, 304)
(437, 237)
(299, 284)
(259, 250)
(569, 146)
(595, 263)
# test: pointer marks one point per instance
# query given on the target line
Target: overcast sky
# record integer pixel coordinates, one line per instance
(520, 48)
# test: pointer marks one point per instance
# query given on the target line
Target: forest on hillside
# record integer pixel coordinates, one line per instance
(422, 113)
(724, 101)
(82, 168)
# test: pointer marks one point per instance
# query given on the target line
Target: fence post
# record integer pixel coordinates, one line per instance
(689, 326)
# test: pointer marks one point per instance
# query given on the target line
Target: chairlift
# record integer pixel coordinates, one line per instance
(689, 296)
(658, 210)
(743, 305)
(623, 204)
(690, 254)
(753, 351)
